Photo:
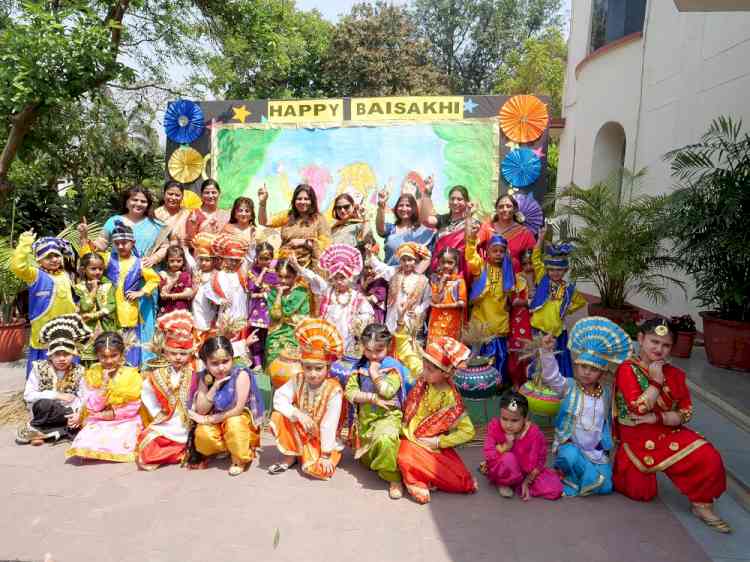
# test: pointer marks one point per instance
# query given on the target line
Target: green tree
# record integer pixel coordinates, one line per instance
(537, 66)
(376, 50)
(472, 39)
(263, 50)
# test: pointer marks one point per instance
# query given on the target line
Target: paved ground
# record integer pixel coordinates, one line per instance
(102, 511)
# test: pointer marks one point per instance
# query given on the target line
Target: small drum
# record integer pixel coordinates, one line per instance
(479, 379)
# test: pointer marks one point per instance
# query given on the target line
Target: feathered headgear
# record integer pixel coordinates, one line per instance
(319, 340)
(341, 258)
(50, 245)
(599, 342)
(446, 353)
(64, 333)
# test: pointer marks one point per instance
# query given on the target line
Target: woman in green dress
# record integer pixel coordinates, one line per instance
(96, 302)
(288, 303)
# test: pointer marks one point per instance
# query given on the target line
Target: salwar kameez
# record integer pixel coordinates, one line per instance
(447, 321)
(285, 315)
(99, 307)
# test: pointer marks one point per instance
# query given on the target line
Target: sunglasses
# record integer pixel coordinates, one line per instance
(342, 207)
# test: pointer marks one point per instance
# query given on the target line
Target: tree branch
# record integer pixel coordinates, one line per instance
(144, 87)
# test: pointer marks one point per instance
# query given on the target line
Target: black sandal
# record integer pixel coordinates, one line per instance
(280, 467)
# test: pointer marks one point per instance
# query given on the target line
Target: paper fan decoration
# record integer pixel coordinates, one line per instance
(183, 121)
(521, 167)
(185, 164)
(599, 342)
(341, 258)
(530, 210)
(523, 118)
(191, 200)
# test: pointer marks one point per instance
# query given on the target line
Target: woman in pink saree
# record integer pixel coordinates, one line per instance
(450, 226)
(505, 223)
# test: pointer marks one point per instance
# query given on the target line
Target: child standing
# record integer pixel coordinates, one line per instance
(555, 298)
(375, 289)
(110, 417)
(448, 307)
(435, 422)
(516, 452)
(490, 294)
(262, 278)
(53, 392)
(409, 296)
(520, 321)
(50, 288)
(96, 302)
(166, 394)
(176, 286)
(132, 281)
(204, 311)
(377, 387)
(288, 303)
(583, 436)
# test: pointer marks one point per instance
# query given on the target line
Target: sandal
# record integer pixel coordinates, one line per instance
(280, 467)
(28, 435)
(395, 492)
(717, 524)
(237, 469)
(505, 491)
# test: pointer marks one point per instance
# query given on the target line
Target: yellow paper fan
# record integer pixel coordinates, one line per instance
(191, 200)
(523, 118)
(185, 164)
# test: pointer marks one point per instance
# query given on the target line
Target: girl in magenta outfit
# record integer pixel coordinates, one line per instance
(262, 279)
(516, 452)
(176, 286)
(375, 288)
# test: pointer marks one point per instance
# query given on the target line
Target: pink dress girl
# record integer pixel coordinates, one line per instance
(529, 452)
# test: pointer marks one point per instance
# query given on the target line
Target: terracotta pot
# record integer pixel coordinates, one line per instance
(13, 337)
(683, 344)
(619, 316)
(727, 342)
(284, 367)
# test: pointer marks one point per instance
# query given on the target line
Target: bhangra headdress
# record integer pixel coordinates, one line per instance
(228, 246)
(50, 245)
(557, 255)
(178, 329)
(64, 333)
(202, 244)
(446, 353)
(341, 258)
(599, 342)
(319, 340)
(417, 251)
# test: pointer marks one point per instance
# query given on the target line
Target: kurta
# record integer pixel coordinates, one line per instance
(50, 294)
(227, 290)
(105, 439)
(510, 468)
(583, 435)
(325, 405)
(447, 321)
(204, 311)
(165, 396)
(435, 412)
(315, 229)
(349, 312)
(102, 306)
(375, 434)
(691, 462)
(294, 306)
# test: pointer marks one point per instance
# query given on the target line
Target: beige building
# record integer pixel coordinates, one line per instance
(647, 76)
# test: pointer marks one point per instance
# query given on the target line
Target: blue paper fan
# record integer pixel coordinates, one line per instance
(521, 167)
(598, 342)
(533, 216)
(183, 121)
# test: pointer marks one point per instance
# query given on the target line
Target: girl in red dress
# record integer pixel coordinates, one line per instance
(652, 406)
(520, 321)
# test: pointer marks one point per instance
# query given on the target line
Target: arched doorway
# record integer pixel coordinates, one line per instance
(609, 156)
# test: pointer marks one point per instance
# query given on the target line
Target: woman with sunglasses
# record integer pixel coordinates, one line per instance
(350, 226)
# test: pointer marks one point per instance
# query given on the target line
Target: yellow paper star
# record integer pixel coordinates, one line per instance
(512, 145)
(240, 113)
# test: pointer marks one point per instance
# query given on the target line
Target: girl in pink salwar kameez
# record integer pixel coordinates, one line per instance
(516, 452)
(110, 417)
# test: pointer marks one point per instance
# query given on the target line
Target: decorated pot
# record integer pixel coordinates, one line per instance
(284, 367)
(543, 401)
(479, 379)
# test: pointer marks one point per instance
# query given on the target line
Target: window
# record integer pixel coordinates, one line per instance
(613, 19)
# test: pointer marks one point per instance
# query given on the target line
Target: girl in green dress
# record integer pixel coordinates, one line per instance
(96, 302)
(288, 303)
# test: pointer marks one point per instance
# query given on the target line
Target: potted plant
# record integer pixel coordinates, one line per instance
(684, 327)
(13, 327)
(708, 222)
(619, 244)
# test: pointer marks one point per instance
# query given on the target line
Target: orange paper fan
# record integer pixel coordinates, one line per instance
(523, 118)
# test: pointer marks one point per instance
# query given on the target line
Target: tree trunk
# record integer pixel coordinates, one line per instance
(20, 124)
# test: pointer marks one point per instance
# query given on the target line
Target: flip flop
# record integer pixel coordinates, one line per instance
(237, 469)
(395, 493)
(280, 467)
(718, 524)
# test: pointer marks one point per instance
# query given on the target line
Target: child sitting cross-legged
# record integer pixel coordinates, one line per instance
(516, 452)
(583, 436)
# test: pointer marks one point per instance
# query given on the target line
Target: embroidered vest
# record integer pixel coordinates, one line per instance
(68, 383)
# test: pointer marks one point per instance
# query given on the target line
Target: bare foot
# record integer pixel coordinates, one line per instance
(395, 491)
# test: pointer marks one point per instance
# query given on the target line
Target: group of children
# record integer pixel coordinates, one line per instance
(190, 392)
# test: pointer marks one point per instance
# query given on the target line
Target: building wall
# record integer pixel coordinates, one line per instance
(663, 88)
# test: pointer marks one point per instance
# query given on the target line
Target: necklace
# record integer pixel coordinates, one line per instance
(596, 395)
(310, 398)
(339, 301)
